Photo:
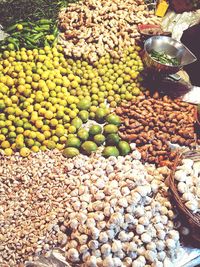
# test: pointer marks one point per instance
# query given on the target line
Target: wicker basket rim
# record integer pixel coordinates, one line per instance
(194, 219)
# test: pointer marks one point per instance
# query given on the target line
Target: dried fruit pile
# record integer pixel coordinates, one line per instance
(153, 122)
(92, 28)
(107, 212)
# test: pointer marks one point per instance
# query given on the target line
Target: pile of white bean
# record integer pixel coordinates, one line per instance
(116, 214)
(188, 177)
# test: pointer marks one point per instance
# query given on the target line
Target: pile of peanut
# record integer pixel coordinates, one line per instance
(155, 122)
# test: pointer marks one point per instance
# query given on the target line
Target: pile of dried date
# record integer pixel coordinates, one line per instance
(153, 122)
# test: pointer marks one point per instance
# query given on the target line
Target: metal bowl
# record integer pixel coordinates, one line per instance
(172, 48)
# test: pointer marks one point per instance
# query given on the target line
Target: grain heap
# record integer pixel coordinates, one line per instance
(92, 27)
(104, 212)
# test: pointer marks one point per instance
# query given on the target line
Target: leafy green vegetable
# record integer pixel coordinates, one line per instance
(163, 58)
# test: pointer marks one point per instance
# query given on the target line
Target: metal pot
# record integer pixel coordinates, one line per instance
(172, 48)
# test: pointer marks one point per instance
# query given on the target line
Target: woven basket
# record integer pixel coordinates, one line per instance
(192, 220)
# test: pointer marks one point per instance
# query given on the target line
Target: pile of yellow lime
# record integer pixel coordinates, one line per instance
(44, 96)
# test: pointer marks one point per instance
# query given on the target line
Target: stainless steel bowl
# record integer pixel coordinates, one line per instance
(172, 48)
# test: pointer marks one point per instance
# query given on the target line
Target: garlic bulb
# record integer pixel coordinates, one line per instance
(116, 214)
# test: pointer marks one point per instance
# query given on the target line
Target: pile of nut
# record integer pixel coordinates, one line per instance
(187, 176)
(92, 27)
(103, 212)
(155, 122)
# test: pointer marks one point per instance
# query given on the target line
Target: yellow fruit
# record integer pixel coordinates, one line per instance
(24, 152)
(60, 146)
(51, 144)
(2, 138)
(8, 151)
(40, 137)
(60, 131)
(35, 149)
(48, 114)
(5, 144)
(39, 124)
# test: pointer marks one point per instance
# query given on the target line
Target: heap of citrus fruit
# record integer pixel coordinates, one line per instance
(87, 141)
(44, 97)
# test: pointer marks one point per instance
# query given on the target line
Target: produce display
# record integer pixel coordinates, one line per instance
(42, 93)
(85, 149)
(30, 35)
(101, 211)
(153, 122)
(163, 58)
(187, 176)
(92, 28)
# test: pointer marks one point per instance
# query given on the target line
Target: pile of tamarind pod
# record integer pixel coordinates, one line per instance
(153, 122)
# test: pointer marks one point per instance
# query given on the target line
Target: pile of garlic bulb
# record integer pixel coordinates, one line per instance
(188, 183)
(116, 214)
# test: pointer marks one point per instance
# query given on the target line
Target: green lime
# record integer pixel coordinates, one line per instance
(73, 142)
(89, 147)
(84, 104)
(113, 119)
(110, 151)
(100, 114)
(76, 122)
(124, 148)
(110, 128)
(112, 139)
(84, 115)
(83, 134)
(99, 139)
(95, 129)
(70, 152)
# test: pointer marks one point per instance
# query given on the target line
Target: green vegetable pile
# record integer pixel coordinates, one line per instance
(30, 35)
(30, 10)
(163, 58)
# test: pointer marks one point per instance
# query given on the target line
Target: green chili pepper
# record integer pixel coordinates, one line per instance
(44, 21)
(46, 43)
(30, 45)
(36, 36)
(11, 28)
(55, 31)
(42, 28)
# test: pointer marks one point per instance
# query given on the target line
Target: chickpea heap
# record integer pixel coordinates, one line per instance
(155, 122)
